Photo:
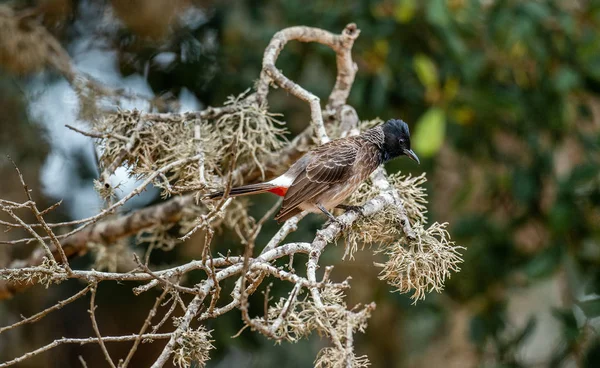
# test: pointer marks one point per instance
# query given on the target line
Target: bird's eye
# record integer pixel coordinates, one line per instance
(401, 140)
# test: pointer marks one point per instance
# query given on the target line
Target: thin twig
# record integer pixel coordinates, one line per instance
(82, 361)
(82, 341)
(289, 304)
(147, 322)
(167, 315)
(92, 312)
(36, 317)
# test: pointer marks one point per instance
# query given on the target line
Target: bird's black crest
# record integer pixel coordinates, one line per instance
(396, 127)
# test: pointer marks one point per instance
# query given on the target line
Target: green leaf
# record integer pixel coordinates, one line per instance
(430, 132)
(566, 79)
(591, 307)
(405, 10)
(544, 263)
(437, 13)
(451, 88)
(538, 11)
(426, 71)
(568, 322)
(524, 186)
(477, 330)
(594, 285)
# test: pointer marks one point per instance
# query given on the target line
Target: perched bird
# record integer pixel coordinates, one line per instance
(325, 176)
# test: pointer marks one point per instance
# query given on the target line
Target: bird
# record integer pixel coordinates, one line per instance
(328, 174)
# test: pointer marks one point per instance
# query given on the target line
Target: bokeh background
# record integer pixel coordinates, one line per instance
(502, 97)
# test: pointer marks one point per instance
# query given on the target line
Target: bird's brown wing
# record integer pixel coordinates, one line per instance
(329, 164)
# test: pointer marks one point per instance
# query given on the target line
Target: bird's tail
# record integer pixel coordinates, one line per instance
(243, 190)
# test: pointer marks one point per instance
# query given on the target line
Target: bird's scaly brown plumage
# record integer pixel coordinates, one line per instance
(331, 173)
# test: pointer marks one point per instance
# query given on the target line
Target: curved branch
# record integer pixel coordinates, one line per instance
(341, 44)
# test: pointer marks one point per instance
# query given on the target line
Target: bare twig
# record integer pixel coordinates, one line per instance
(92, 312)
(82, 341)
(174, 302)
(147, 322)
(36, 317)
(163, 281)
(284, 311)
(87, 134)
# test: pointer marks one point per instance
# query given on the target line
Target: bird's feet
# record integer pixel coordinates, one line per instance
(332, 218)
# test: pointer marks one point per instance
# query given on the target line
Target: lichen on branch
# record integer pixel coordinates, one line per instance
(143, 142)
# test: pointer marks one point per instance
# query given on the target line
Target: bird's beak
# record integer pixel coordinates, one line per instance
(412, 155)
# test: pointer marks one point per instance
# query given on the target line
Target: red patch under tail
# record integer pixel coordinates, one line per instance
(280, 191)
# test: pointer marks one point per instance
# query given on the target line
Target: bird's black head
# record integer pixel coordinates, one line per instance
(397, 140)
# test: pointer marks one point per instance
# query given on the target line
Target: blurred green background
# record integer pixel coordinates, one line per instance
(503, 101)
